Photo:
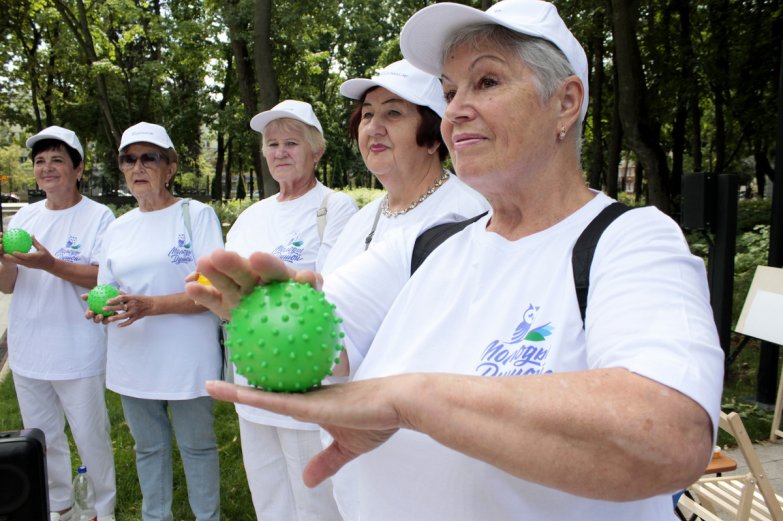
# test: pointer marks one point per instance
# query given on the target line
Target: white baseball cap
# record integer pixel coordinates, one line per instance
(60, 134)
(425, 34)
(298, 110)
(405, 80)
(146, 133)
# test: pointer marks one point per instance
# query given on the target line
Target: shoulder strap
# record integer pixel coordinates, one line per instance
(321, 215)
(584, 249)
(186, 218)
(434, 237)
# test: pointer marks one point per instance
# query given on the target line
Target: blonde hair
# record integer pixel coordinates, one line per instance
(312, 135)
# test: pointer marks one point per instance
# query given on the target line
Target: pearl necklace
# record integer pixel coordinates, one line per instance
(431, 190)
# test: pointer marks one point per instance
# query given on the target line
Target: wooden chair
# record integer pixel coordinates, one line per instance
(776, 430)
(745, 497)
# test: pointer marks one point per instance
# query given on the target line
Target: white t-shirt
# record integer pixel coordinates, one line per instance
(161, 357)
(452, 201)
(48, 337)
(453, 198)
(483, 305)
(289, 231)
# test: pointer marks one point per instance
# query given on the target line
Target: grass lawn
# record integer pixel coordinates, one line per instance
(235, 501)
(739, 392)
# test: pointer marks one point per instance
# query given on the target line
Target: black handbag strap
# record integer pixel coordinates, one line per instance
(584, 250)
(434, 237)
(581, 255)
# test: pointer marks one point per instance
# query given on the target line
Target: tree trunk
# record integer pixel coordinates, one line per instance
(221, 137)
(597, 84)
(266, 78)
(641, 131)
(615, 145)
(219, 161)
(247, 78)
(80, 27)
(638, 181)
(720, 132)
(763, 170)
(229, 156)
(695, 118)
(685, 95)
(718, 20)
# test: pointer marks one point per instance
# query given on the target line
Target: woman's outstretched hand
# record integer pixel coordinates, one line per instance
(359, 416)
(232, 276)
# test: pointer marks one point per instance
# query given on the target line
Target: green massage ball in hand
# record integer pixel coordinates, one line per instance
(98, 296)
(17, 240)
(284, 337)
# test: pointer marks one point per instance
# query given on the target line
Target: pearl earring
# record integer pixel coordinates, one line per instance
(561, 135)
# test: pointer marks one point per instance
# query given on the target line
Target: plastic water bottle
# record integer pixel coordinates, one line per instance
(83, 497)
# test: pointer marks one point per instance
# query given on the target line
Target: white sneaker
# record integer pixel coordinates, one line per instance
(65, 516)
(107, 517)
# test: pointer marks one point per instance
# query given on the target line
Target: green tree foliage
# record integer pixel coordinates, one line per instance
(17, 176)
(203, 68)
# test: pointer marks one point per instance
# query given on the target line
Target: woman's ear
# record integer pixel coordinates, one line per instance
(318, 154)
(571, 94)
(172, 170)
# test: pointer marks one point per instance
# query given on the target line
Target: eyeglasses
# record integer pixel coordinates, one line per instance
(148, 160)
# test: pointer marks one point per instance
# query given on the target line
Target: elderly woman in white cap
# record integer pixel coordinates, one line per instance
(58, 360)
(161, 345)
(396, 124)
(299, 225)
(484, 393)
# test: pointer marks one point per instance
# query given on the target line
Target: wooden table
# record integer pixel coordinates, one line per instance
(721, 464)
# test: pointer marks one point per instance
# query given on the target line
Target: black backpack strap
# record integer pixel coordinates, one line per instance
(584, 249)
(434, 237)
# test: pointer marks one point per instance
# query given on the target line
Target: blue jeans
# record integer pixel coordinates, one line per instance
(193, 426)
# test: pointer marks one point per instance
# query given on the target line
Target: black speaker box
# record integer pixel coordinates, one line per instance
(698, 202)
(24, 490)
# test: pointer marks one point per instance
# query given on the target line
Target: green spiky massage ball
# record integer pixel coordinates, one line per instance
(98, 296)
(17, 240)
(284, 337)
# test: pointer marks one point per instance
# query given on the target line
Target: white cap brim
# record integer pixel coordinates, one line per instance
(404, 80)
(425, 34)
(293, 109)
(144, 132)
(355, 89)
(65, 136)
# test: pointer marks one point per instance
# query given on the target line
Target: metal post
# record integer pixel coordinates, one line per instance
(766, 384)
(722, 258)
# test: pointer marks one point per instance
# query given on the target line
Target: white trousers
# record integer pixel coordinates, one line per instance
(45, 405)
(274, 461)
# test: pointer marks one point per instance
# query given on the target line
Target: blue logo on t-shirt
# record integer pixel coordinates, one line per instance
(71, 252)
(181, 253)
(525, 353)
(292, 252)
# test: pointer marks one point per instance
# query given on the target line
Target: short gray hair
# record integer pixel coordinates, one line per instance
(548, 63)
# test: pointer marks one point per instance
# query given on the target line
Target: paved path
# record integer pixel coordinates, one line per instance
(771, 456)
